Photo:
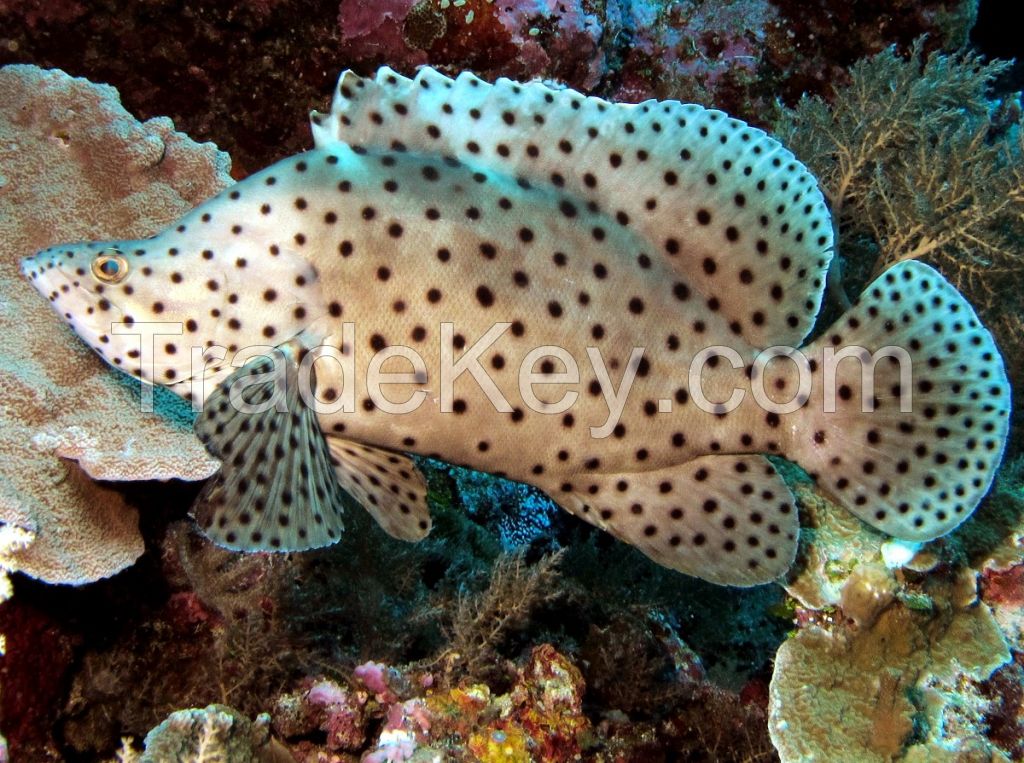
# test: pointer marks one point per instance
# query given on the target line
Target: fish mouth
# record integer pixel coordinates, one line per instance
(37, 266)
(28, 265)
(88, 313)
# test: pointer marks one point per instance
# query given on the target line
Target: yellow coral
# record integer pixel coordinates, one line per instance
(508, 744)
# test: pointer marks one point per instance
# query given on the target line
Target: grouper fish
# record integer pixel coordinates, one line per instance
(610, 302)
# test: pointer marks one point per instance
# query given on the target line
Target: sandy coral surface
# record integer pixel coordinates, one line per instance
(74, 165)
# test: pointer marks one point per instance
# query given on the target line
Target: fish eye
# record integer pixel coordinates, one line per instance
(110, 266)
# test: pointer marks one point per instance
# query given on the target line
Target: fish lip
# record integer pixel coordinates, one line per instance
(29, 265)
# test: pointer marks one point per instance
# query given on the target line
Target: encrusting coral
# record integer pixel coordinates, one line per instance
(214, 734)
(243, 74)
(75, 165)
(896, 685)
(894, 638)
(739, 56)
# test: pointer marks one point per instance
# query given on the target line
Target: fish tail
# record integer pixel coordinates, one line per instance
(909, 404)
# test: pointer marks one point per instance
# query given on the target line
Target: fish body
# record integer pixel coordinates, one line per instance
(526, 281)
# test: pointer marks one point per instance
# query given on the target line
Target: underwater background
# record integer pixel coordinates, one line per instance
(514, 632)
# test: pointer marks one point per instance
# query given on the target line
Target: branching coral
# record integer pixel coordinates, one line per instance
(218, 637)
(251, 654)
(914, 159)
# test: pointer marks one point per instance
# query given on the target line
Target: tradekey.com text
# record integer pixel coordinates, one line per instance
(210, 364)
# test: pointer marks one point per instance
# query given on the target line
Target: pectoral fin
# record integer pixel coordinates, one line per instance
(276, 489)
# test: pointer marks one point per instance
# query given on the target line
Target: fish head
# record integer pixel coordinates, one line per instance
(167, 312)
(88, 284)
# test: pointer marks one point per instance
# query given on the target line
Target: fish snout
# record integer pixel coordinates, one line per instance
(30, 267)
(36, 267)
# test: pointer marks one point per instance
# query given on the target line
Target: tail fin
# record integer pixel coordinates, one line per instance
(913, 474)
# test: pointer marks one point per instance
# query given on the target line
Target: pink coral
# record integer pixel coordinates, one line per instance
(542, 714)
(405, 730)
(37, 14)
(1004, 587)
(373, 31)
(340, 714)
(187, 612)
(537, 38)
(549, 33)
(381, 680)
(372, 676)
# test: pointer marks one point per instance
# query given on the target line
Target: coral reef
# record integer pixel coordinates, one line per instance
(540, 717)
(216, 636)
(75, 165)
(37, 655)
(917, 162)
(215, 733)
(995, 540)
(909, 637)
(739, 56)
(512, 633)
(481, 622)
(328, 707)
(245, 75)
(901, 682)
(344, 661)
(1005, 717)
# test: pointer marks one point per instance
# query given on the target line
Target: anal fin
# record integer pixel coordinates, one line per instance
(276, 489)
(729, 519)
(388, 485)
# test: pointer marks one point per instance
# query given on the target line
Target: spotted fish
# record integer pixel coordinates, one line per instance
(539, 272)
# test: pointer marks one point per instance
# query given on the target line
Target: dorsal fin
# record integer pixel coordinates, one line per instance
(742, 221)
